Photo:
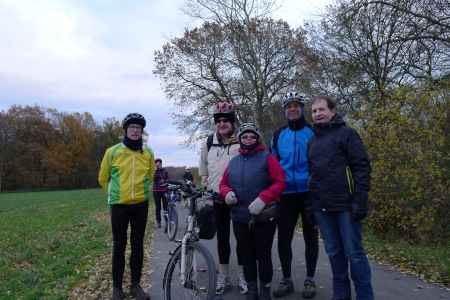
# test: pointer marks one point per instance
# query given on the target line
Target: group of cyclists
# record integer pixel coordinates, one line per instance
(320, 173)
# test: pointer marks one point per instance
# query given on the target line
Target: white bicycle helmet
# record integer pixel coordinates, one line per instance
(293, 97)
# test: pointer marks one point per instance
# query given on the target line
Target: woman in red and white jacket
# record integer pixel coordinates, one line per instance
(252, 180)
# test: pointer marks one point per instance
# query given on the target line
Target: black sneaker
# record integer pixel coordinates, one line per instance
(138, 293)
(284, 288)
(309, 289)
(118, 294)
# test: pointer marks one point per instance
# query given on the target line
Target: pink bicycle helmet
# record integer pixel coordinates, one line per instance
(224, 110)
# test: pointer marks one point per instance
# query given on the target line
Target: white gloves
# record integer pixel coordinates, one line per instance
(230, 198)
(256, 206)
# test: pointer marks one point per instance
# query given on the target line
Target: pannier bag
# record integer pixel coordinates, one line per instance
(206, 222)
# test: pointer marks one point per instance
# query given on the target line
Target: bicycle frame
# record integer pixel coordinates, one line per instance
(190, 233)
(187, 236)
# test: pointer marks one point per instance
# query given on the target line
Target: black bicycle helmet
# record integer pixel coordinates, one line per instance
(134, 118)
(158, 159)
(293, 97)
(224, 110)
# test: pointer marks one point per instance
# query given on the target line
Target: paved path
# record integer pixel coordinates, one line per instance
(387, 284)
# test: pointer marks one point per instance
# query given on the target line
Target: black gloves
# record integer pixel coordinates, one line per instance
(358, 215)
(309, 216)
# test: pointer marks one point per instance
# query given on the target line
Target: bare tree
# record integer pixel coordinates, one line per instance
(224, 62)
(369, 46)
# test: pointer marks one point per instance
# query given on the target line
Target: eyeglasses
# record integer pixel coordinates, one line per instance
(135, 127)
(249, 136)
(222, 121)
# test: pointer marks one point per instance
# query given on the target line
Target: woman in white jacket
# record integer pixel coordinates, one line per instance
(217, 151)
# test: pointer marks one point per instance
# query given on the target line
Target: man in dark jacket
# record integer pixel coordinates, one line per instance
(339, 184)
(187, 176)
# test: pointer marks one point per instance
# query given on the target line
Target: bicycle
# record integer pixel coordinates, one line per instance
(173, 196)
(191, 270)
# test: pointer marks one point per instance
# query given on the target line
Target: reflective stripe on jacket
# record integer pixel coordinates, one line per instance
(339, 168)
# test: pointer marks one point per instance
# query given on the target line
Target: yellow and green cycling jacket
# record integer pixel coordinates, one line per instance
(126, 175)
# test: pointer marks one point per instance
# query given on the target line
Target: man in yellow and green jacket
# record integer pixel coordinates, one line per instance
(125, 175)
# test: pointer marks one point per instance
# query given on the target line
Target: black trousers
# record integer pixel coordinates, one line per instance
(256, 246)
(121, 215)
(159, 198)
(223, 222)
(291, 207)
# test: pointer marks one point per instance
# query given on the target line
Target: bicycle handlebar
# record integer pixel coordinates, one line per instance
(186, 186)
(174, 182)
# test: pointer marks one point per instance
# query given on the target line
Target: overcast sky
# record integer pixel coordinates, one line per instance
(96, 56)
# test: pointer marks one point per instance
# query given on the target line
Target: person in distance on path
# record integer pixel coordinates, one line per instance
(159, 192)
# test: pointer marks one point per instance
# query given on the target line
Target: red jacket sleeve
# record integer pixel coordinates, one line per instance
(278, 177)
(224, 188)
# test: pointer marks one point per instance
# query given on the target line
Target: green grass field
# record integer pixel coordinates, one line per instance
(57, 245)
(52, 243)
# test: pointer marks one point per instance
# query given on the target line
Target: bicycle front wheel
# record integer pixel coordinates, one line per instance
(200, 279)
(172, 222)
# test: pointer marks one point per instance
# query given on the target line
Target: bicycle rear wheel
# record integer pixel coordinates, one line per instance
(201, 274)
(172, 221)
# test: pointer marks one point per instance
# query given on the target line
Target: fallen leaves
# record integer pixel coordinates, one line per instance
(98, 284)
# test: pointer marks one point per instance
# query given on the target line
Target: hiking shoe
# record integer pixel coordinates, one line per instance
(223, 285)
(243, 286)
(118, 294)
(284, 288)
(138, 293)
(309, 289)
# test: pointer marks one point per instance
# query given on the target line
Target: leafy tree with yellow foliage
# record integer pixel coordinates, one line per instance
(407, 135)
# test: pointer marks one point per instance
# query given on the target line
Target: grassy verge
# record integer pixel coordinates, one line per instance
(55, 245)
(429, 263)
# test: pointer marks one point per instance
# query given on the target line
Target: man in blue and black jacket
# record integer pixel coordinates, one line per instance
(289, 146)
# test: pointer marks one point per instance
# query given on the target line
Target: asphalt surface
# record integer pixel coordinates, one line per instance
(387, 284)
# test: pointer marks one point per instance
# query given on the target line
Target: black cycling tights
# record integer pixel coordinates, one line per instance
(122, 215)
(291, 207)
(223, 221)
(160, 197)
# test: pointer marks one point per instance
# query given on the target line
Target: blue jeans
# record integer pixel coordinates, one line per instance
(343, 244)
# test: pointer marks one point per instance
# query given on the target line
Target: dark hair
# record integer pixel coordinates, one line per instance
(330, 102)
